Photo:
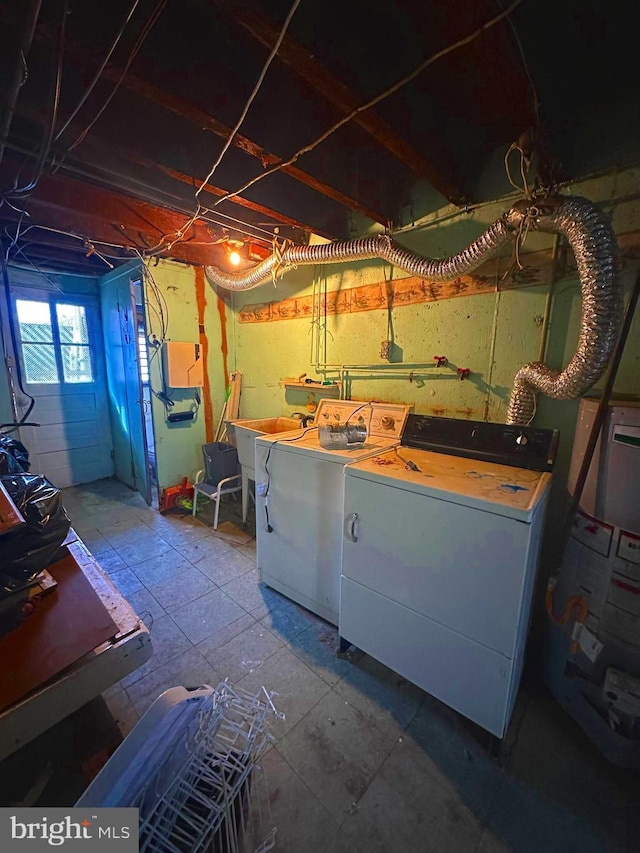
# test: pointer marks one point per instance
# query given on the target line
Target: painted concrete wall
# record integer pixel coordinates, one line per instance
(492, 334)
(179, 445)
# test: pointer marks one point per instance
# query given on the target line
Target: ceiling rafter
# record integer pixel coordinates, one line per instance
(196, 115)
(105, 216)
(303, 63)
(138, 159)
(279, 218)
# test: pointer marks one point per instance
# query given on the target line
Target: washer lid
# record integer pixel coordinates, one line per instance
(501, 489)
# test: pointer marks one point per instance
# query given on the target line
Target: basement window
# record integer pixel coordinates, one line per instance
(74, 343)
(143, 355)
(55, 342)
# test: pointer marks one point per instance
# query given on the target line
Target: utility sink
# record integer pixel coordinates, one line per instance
(243, 433)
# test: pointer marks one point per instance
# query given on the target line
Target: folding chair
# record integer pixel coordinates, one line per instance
(221, 475)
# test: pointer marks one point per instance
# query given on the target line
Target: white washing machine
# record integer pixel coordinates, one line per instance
(300, 496)
(439, 558)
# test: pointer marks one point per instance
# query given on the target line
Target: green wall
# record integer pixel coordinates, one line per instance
(492, 334)
(179, 445)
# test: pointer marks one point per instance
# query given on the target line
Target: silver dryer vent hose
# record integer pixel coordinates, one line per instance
(592, 240)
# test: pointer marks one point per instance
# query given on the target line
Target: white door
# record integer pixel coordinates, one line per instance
(62, 364)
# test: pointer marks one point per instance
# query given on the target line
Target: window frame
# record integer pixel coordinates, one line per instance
(53, 302)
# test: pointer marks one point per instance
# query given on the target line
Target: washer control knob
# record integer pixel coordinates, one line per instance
(522, 439)
(387, 422)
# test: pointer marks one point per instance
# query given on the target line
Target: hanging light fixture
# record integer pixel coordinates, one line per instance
(233, 249)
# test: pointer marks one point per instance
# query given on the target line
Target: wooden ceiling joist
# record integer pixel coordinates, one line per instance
(193, 113)
(249, 15)
(130, 156)
(190, 180)
(104, 217)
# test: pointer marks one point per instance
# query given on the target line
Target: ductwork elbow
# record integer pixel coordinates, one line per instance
(590, 235)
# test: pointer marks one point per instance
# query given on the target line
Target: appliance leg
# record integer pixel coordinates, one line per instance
(498, 750)
(344, 645)
(245, 495)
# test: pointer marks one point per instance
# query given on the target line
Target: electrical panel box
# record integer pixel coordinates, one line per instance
(182, 365)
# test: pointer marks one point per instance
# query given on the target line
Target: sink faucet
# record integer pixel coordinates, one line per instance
(306, 419)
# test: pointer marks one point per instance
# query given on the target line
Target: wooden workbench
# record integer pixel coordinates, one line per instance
(127, 649)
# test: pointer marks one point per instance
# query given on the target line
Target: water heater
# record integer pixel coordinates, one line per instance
(594, 668)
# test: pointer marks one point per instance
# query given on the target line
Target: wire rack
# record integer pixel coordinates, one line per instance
(206, 764)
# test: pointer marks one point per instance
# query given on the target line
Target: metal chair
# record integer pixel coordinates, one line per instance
(222, 475)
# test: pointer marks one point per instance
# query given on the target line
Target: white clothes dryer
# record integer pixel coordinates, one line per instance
(440, 553)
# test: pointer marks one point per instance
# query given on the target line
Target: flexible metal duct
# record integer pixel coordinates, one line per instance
(367, 248)
(593, 242)
(594, 245)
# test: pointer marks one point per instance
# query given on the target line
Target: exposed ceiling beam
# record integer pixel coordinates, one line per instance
(191, 112)
(104, 216)
(249, 15)
(190, 180)
(134, 157)
(64, 256)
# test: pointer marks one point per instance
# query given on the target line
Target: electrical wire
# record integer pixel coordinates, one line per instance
(511, 148)
(155, 14)
(252, 96)
(268, 473)
(385, 94)
(47, 139)
(363, 406)
(179, 235)
(525, 65)
(163, 308)
(46, 147)
(155, 195)
(88, 243)
(14, 342)
(14, 240)
(98, 73)
(21, 251)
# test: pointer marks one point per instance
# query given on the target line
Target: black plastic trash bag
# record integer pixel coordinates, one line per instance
(28, 549)
(14, 456)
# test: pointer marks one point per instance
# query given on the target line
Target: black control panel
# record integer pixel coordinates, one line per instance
(505, 444)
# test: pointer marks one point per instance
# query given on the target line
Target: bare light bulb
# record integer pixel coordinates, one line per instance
(234, 258)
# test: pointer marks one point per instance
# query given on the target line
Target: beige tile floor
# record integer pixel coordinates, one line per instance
(364, 762)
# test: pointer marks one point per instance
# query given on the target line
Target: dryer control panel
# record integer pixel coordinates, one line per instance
(381, 419)
(505, 444)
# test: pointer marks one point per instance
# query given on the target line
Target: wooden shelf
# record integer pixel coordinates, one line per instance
(311, 388)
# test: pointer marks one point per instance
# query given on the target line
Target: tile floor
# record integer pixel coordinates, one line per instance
(364, 762)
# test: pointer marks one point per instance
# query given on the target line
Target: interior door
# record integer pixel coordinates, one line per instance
(62, 364)
(117, 300)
